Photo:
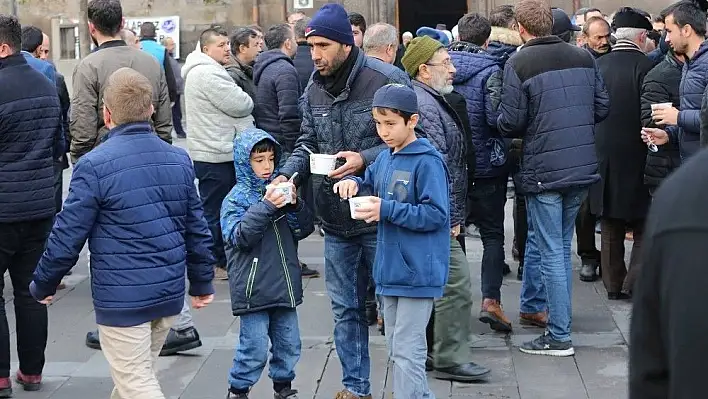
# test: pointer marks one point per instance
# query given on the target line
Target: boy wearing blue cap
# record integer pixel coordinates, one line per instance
(411, 206)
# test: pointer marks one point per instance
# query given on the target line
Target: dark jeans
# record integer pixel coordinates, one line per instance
(521, 226)
(177, 117)
(585, 232)
(58, 185)
(615, 275)
(21, 246)
(215, 182)
(487, 199)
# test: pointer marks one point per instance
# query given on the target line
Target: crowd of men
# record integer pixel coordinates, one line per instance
(588, 114)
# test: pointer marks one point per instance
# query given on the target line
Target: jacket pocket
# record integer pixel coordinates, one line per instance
(393, 268)
(250, 281)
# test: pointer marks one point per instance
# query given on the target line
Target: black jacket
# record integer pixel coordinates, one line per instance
(552, 97)
(277, 94)
(243, 76)
(304, 64)
(65, 102)
(661, 85)
(459, 104)
(621, 152)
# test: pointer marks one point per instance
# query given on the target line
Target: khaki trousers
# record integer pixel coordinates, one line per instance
(132, 355)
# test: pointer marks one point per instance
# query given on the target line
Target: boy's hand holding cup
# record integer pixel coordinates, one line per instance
(280, 195)
(368, 209)
(346, 188)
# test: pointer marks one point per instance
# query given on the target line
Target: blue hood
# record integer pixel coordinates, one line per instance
(471, 62)
(266, 58)
(248, 183)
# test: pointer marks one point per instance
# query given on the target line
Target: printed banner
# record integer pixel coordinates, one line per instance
(166, 27)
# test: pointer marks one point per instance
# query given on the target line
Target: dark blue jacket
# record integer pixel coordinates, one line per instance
(413, 235)
(344, 123)
(304, 64)
(134, 199)
(553, 96)
(30, 122)
(277, 94)
(479, 80)
(440, 124)
(50, 72)
(694, 80)
(260, 239)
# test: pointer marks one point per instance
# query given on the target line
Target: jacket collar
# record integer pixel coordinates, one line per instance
(466, 47)
(112, 43)
(505, 36)
(540, 41)
(427, 88)
(148, 39)
(129, 129)
(13, 60)
(626, 45)
(675, 62)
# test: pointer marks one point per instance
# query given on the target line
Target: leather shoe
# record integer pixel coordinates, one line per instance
(468, 372)
(520, 273)
(5, 388)
(588, 272)
(92, 340)
(180, 341)
(29, 382)
(618, 296)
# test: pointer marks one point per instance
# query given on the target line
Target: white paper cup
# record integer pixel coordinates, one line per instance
(355, 203)
(654, 107)
(286, 189)
(322, 164)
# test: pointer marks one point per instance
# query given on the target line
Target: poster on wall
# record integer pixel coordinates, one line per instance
(166, 27)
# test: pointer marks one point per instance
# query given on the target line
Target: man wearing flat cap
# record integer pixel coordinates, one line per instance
(621, 199)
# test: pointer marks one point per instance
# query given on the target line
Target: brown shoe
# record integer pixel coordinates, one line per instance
(534, 319)
(493, 314)
(345, 394)
(61, 286)
(220, 274)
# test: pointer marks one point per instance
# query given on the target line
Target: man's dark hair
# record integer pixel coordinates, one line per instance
(106, 16)
(10, 32)
(502, 16)
(300, 28)
(689, 13)
(658, 18)
(148, 30)
(403, 114)
(474, 28)
(241, 37)
(209, 34)
(277, 35)
(358, 20)
(256, 27)
(587, 11)
(262, 146)
(32, 37)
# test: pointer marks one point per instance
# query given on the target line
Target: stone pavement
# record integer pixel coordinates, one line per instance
(598, 370)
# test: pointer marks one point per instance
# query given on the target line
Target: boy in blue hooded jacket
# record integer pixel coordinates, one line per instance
(412, 208)
(261, 225)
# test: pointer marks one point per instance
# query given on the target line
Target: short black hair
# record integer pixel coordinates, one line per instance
(10, 32)
(688, 13)
(300, 27)
(277, 35)
(502, 16)
(403, 114)
(241, 37)
(147, 29)
(474, 28)
(106, 16)
(265, 145)
(210, 33)
(256, 27)
(358, 20)
(32, 37)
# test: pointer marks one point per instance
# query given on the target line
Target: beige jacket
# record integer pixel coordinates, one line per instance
(87, 126)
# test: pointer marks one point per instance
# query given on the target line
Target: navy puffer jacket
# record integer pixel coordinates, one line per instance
(553, 96)
(479, 80)
(441, 125)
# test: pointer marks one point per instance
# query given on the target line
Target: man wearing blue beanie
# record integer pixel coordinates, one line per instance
(337, 120)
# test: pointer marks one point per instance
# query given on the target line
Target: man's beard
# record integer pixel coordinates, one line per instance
(441, 85)
(337, 62)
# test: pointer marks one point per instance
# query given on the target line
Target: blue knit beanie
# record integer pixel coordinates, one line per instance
(331, 22)
(435, 34)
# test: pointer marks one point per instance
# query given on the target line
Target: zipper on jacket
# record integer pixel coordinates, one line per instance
(249, 282)
(285, 265)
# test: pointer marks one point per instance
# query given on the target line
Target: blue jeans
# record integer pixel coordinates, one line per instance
(548, 280)
(280, 326)
(348, 267)
(215, 182)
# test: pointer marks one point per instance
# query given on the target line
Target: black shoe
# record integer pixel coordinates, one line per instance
(588, 272)
(372, 316)
(618, 296)
(232, 395)
(547, 346)
(92, 340)
(429, 363)
(506, 269)
(468, 372)
(307, 272)
(181, 136)
(320, 231)
(515, 254)
(286, 393)
(520, 273)
(180, 341)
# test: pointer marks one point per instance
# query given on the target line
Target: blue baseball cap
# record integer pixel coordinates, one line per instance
(396, 96)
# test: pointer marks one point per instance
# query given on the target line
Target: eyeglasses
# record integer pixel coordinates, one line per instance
(447, 63)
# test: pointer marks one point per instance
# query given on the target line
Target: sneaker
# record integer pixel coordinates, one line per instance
(286, 393)
(464, 373)
(180, 341)
(345, 394)
(534, 319)
(232, 395)
(220, 274)
(493, 314)
(588, 271)
(547, 346)
(92, 340)
(61, 286)
(5, 387)
(307, 272)
(29, 382)
(520, 273)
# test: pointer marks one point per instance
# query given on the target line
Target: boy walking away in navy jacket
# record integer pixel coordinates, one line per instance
(261, 225)
(412, 208)
(134, 199)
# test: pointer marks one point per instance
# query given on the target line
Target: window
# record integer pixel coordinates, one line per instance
(69, 43)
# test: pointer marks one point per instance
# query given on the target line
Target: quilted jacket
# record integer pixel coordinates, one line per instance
(553, 96)
(345, 123)
(260, 239)
(133, 197)
(30, 126)
(479, 80)
(440, 124)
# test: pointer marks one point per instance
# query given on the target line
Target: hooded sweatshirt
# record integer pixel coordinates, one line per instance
(503, 43)
(216, 109)
(260, 239)
(413, 234)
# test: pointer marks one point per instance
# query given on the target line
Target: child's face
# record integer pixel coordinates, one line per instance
(393, 129)
(263, 164)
